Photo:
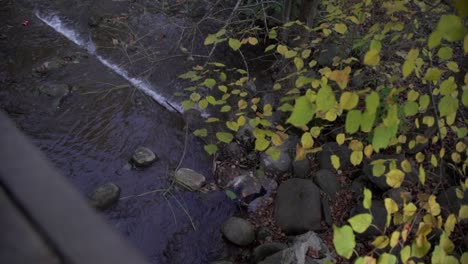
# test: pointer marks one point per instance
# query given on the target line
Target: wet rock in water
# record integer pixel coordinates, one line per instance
(328, 182)
(332, 148)
(238, 231)
(301, 168)
(379, 217)
(55, 90)
(221, 262)
(143, 157)
(47, 67)
(298, 207)
(189, 179)
(105, 196)
(296, 254)
(265, 250)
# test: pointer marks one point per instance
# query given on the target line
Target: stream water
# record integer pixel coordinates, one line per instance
(119, 100)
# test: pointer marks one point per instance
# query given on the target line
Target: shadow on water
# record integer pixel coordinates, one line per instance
(90, 132)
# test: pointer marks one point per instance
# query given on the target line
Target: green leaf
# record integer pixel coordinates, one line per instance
(290, 54)
(348, 101)
(210, 83)
(325, 98)
(231, 194)
(378, 169)
(405, 254)
(445, 53)
(224, 137)
(367, 201)
(273, 152)
(282, 49)
(210, 39)
(299, 63)
(353, 120)
(410, 61)
(344, 240)
(335, 160)
(372, 57)
(367, 121)
(434, 39)
(232, 125)
(424, 101)
(433, 74)
(341, 28)
(451, 27)
(448, 105)
(211, 148)
(235, 44)
(465, 98)
(386, 258)
(307, 141)
(395, 178)
(203, 104)
(448, 86)
(411, 108)
(360, 222)
(203, 132)
(302, 113)
(226, 108)
(372, 102)
(261, 143)
(270, 47)
(381, 138)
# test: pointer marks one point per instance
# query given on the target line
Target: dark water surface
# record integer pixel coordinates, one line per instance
(94, 131)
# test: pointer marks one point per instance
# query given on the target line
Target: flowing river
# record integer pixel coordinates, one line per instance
(88, 83)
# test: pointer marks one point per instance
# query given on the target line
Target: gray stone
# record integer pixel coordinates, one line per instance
(248, 187)
(143, 157)
(327, 215)
(238, 231)
(298, 207)
(301, 168)
(55, 90)
(328, 182)
(189, 178)
(296, 254)
(379, 217)
(332, 148)
(265, 250)
(282, 164)
(105, 196)
(358, 184)
(263, 233)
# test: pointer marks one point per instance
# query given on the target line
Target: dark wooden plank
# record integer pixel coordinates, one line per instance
(19, 241)
(55, 207)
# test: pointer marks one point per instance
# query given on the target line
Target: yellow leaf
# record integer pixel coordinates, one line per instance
(341, 77)
(242, 104)
(372, 57)
(412, 95)
(307, 141)
(253, 41)
(368, 150)
(380, 242)
(241, 121)
(422, 175)
(378, 170)
(348, 101)
(232, 125)
(335, 160)
(432, 74)
(420, 157)
(340, 138)
(356, 145)
(463, 212)
(299, 63)
(409, 209)
(434, 160)
(391, 206)
(453, 66)
(406, 166)
(429, 121)
(460, 147)
(395, 178)
(432, 206)
(367, 201)
(456, 157)
(410, 61)
(341, 28)
(356, 157)
(300, 152)
(394, 238)
(446, 243)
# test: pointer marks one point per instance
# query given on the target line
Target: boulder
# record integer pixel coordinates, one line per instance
(249, 188)
(265, 250)
(238, 231)
(328, 182)
(301, 168)
(296, 254)
(263, 233)
(189, 178)
(105, 196)
(298, 206)
(332, 148)
(282, 164)
(143, 157)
